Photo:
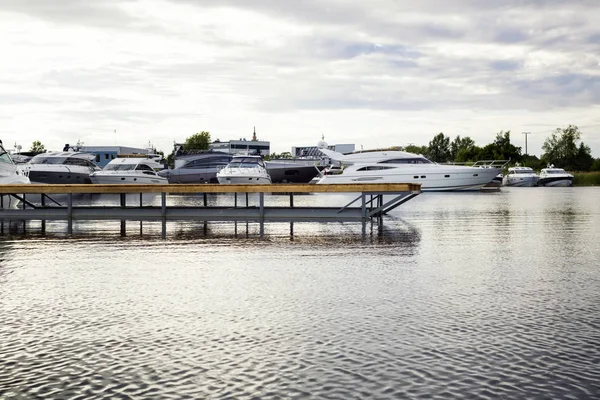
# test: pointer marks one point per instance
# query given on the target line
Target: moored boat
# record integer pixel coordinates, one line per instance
(520, 177)
(244, 170)
(392, 166)
(552, 176)
(128, 170)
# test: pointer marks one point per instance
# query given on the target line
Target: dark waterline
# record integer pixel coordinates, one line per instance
(458, 295)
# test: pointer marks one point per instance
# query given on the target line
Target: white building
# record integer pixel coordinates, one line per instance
(243, 146)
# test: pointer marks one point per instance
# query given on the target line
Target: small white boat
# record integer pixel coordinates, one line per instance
(520, 177)
(244, 170)
(128, 170)
(555, 177)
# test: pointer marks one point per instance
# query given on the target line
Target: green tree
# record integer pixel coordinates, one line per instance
(596, 165)
(501, 149)
(464, 146)
(37, 147)
(422, 150)
(565, 149)
(439, 148)
(468, 154)
(198, 141)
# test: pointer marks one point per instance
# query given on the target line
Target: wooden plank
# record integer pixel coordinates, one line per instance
(212, 188)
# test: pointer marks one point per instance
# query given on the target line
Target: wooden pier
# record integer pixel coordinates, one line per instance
(37, 203)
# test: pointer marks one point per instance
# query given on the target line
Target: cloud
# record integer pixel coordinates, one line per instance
(167, 68)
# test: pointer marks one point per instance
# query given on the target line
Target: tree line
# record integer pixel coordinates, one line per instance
(563, 148)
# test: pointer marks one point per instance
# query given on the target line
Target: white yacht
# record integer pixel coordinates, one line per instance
(244, 170)
(64, 167)
(520, 177)
(401, 167)
(10, 174)
(555, 177)
(128, 170)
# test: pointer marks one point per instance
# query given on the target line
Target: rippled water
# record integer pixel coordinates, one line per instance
(458, 295)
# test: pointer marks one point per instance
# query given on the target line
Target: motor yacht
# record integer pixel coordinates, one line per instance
(244, 170)
(128, 170)
(555, 177)
(392, 166)
(293, 170)
(196, 167)
(10, 174)
(62, 167)
(520, 177)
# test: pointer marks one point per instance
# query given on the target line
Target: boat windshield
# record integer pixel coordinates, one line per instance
(555, 171)
(4, 157)
(48, 160)
(120, 167)
(245, 162)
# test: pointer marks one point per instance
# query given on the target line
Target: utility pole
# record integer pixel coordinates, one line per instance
(526, 134)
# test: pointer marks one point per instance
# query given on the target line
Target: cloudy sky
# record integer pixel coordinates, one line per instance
(374, 73)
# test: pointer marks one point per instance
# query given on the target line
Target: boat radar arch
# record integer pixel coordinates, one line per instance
(322, 143)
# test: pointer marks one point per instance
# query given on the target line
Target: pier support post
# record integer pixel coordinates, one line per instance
(291, 200)
(261, 206)
(70, 213)
(163, 213)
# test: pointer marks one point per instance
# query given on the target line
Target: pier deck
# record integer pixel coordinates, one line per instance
(37, 203)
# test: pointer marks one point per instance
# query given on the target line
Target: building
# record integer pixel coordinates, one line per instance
(104, 154)
(313, 151)
(243, 146)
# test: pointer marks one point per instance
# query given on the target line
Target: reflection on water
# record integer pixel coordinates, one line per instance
(492, 295)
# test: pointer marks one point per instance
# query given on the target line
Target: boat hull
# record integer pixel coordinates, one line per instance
(292, 173)
(556, 182)
(99, 178)
(445, 180)
(520, 182)
(59, 177)
(244, 180)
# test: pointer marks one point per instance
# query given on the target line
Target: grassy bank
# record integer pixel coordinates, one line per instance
(586, 179)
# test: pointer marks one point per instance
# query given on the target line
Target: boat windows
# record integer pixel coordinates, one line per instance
(415, 160)
(47, 160)
(446, 176)
(144, 167)
(77, 161)
(423, 177)
(5, 158)
(120, 167)
(374, 168)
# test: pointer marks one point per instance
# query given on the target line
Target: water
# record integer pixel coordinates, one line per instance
(458, 295)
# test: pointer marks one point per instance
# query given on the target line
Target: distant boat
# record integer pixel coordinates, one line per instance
(555, 177)
(244, 170)
(520, 177)
(128, 170)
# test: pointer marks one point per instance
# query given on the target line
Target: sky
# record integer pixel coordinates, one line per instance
(375, 74)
